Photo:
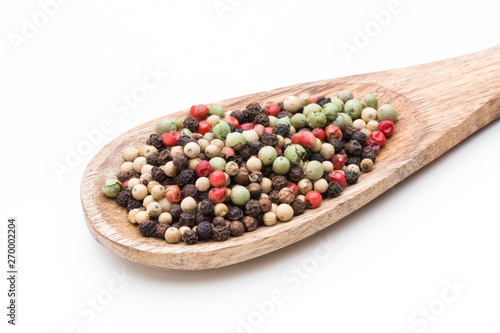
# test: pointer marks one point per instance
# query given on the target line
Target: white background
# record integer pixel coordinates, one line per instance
(392, 257)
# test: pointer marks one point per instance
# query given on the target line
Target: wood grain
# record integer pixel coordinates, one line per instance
(439, 105)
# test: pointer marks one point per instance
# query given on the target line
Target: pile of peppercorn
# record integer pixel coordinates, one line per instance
(218, 173)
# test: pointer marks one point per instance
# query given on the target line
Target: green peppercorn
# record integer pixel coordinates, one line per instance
(186, 131)
(165, 125)
(281, 165)
(209, 136)
(221, 129)
(343, 121)
(314, 170)
(316, 119)
(387, 112)
(345, 95)
(218, 163)
(216, 109)
(235, 140)
(370, 101)
(112, 187)
(313, 107)
(240, 195)
(353, 108)
(267, 155)
(331, 110)
(298, 120)
(284, 120)
(179, 122)
(295, 154)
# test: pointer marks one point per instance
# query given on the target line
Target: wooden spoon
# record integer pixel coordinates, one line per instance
(439, 105)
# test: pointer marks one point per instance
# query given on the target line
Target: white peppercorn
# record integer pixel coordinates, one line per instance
(284, 212)
(202, 184)
(141, 216)
(172, 235)
(292, 104)
(212, 151)
(218, 142)
(327, 151)
(274, 208)
(158, 192)
(147, 200)
(152, 184)
(266, 184)
(183, 229)
(272, 121)
(270, 218)
(305, 185)
(321, 185)
(193, 163)
(203, 143)
(165, 204)
(146, 150)
(154, 209)
(132, 182)
(372, 125)
(317, 146)
(368, 114)
(127, 167)
(353, 167)
(146, 178)
(139, 192)
(254, 164)
(366, 132)
(192, 150)
(305, 99)
(301, 197)
(327, 166)
(250, 136)
(366, 165)
(165, 218)
(170, 169)
(188, 204)
(130, 154)
(176, 150)
(147, 169)
(212, 120)
(132, 214)
(139, 162)
(232, 168)
(220, 209)
(359, 124)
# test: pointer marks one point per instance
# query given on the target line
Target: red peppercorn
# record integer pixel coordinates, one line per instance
(247, 126)
(232, 121)
(217, 178)
(125, 183)
(272, 110)
(269, 130)
(338, 161)
(278, 150)
(203, 127)
(319, 133)
(203, 169)
(297, 138)
(227, 152)
(217, 194)
(333, 132)
(337, 177)
(314, 100)
(378, 137)
(294, 188)
(373, 145)
(313, 199)
(173, 193)
(170, 138)
(200, 112)
(386, 127)
(308, 139)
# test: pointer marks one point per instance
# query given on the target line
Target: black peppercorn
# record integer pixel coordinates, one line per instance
(240, 116)
(176, 211)
(158, 174)
(265, 204)
(164, 157)
(270, 139)
(204, 230)
(308, 154)
(189, 237)
(160, 230)
(201, 195)
(199, 217)
(234, 213)
(186, 176)
(155, 140)
(191, 124)
(360, 137)
(353, 148)
(123, 198)
(368, 153)
(188, 219)
(237, 159)
(207, 207)
(274, 196)
(266, 170)
(262, 119)
(316, 157)
(322, 100)
(152, 159)
(255, 177)
(242, 177)
(237, 228)
(333, 190)
(250, 223)
(255, 190)
(221, 233)
(189, 191)
(196, 136)
(219, 221)
(123, 176)
(181, 161)
(296, 174)
(133, 204)
(298, 206)
(284, 113)
(279, 182)
(280, 129)
(256, 147)
(252, 110)
(338, 145)
(353, 160)
(203, 157)
(348, 132)
(183, 140)
(252, 208)
(147, 228)
(351, 177)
